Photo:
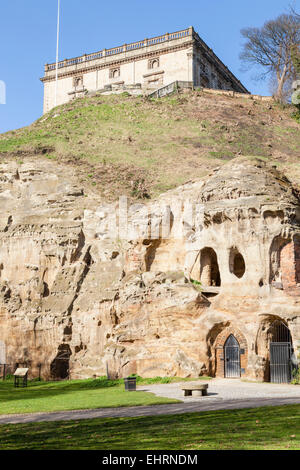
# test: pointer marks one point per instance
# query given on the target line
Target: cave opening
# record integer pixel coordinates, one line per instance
(209, 268)
(237, 264)
(60, 366)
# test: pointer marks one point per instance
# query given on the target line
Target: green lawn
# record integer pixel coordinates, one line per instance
(271, 428)
(75, 395)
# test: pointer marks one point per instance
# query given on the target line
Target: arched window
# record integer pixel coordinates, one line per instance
(236, 263)
(78, 82)
(209, 268)
(114, 73)
(285, 262)
(153, 63)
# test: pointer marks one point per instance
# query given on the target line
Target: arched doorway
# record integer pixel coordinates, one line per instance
(228, 336)
(232, 357)
(281, 350)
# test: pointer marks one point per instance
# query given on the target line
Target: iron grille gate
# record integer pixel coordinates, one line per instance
(280, 362)
(232, 358)
(2, 353)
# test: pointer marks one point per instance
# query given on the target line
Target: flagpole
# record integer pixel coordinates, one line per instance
(57, 48)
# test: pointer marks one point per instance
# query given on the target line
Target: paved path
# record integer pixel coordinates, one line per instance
(228, 389)
(223, 394)
(155, 410)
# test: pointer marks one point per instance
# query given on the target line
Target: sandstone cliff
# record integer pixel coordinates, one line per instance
(81, 295)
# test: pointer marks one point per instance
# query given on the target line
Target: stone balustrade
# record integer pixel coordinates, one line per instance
(120, 49)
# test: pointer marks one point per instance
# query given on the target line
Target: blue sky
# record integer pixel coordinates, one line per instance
(28, 37)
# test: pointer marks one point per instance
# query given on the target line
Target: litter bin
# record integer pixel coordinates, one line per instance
(130, 384)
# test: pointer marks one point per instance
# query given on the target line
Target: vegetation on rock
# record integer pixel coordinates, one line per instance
(144, 147)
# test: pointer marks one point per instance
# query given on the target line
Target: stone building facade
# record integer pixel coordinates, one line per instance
(211, 290)
(140, 67)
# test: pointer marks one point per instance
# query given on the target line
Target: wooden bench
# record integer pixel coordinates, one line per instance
(195, 390)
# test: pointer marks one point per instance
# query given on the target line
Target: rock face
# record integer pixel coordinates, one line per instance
(88, 288)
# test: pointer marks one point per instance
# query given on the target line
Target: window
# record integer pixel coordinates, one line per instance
(114, 73)
(236, 263)
(78, 82)
(153, 63)
(209, 268)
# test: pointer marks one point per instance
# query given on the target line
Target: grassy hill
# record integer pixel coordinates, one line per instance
(143, 147)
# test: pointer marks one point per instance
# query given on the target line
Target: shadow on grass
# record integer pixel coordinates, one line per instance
(46, 390)
(261, 428)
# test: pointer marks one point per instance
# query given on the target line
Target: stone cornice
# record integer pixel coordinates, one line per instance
(119, 61)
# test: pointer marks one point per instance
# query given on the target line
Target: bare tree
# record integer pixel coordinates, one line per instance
(296, 49)
(272, 47)
(294, 12)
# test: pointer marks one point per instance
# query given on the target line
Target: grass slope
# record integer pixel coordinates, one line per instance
(258, 428)
(144, 147)
(76, 395)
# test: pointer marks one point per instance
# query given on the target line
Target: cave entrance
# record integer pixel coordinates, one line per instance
(209, 268)
(60, 366)
(232, 357)
(236, 263)
(3, 364)
(2, 353)
(281, 351)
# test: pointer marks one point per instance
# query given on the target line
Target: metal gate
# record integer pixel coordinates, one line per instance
(280, 353)
(2, 353)
(280, 362)
(232, 357)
